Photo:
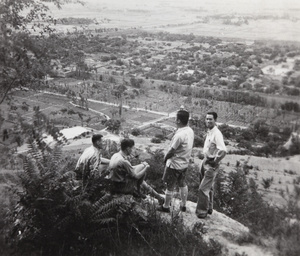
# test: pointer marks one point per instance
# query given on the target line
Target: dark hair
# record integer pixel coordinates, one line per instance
(183, 116)
(127, 143)
(96, 137)
(215, 115)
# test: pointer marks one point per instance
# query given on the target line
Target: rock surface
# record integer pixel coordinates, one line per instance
(220, 228)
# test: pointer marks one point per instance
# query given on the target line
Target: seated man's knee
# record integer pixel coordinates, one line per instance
(210, 172)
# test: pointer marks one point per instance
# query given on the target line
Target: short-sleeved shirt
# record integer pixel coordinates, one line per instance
(120, 168)
(213, 143)
(89, 161)
(182, 142)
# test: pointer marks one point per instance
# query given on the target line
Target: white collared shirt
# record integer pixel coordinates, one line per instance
(90, 159)
(213, 143)
(182, 142)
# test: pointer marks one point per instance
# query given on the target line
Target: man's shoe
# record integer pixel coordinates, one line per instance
(163, 209)
(201, 216)
(210, 211)
(183, 208)
(161, 200)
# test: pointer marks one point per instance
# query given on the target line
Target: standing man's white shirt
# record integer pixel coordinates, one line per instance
(182, 142)
(213, 143)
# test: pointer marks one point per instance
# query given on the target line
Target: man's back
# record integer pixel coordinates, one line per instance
(182, 142)
(119, 167)
(88, 162)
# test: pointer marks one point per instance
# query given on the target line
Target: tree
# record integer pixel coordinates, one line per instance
(23, 55)
(113, 125)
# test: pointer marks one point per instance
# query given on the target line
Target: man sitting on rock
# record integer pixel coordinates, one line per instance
(128, 179)
(89, 162)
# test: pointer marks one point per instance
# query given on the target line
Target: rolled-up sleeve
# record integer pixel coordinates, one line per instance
(220, 142)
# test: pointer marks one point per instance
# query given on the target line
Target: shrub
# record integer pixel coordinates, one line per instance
(156, 140)
(136, 132)
(198, 141)
(267, 182)
(55, 212)
(156, 169)
(160, 136)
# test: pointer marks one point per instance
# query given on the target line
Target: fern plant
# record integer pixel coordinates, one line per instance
(55, 212)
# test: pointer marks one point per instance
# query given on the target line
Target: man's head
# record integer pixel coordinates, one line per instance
(182, 118)
(97, 141)
(210, 120)
(127, 146)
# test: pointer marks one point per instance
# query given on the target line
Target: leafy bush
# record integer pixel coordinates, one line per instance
(156, 140)
(136, 132)
(56, 213)
(156, 169)
(198, 141)
(159, 136)
(267, 182)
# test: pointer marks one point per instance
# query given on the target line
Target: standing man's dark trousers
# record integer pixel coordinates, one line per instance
(206, 193)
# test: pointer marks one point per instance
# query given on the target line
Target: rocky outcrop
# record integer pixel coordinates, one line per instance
(220, 228)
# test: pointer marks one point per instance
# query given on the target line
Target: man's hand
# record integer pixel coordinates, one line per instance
(213, 163)
(169, 155)
(145, 164)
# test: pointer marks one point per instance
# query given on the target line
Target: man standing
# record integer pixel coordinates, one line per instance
(177, 160)
(214, 151)
(89, 162)
(128, 179)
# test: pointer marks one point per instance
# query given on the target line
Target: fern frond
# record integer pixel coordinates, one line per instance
(105, 221)
(101, 215)
(68, 175)
(64, 223)
(102, 201)
(73, 200)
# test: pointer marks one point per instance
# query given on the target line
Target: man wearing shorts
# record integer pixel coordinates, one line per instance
(177, 160)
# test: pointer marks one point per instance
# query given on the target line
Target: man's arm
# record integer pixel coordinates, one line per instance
(221, 148)
(104, 160)
(220, 155)
(169, 154)
(136, 171)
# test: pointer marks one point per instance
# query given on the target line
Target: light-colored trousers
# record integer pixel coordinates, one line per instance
(206, 189)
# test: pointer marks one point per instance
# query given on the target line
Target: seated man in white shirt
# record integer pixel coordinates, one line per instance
(89, 162)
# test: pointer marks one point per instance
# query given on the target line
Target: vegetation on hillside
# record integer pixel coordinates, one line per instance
(56, 214)
(51, 211)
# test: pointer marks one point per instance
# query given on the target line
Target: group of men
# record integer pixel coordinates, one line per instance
(128, 179)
